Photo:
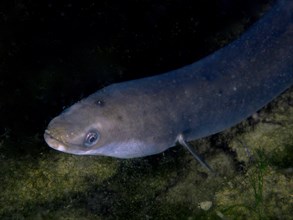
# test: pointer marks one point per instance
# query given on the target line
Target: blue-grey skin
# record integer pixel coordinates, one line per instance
(147, 116)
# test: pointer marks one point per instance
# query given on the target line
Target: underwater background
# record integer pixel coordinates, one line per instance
(53, 53)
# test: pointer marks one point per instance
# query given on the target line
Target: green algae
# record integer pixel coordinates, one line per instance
(27, 184)
(265, 190)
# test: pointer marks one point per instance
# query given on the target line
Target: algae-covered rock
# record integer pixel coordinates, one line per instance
(253, 162)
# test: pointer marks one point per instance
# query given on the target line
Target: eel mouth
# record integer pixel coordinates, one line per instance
(53, 143)
(63, 147)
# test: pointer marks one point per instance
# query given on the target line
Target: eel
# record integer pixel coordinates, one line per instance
(149, 115)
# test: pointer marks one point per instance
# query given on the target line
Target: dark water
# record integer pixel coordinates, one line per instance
(53, 53)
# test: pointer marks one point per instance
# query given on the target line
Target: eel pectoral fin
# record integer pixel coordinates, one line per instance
(180, 139)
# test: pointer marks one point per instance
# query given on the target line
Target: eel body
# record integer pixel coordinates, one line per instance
(146, 116)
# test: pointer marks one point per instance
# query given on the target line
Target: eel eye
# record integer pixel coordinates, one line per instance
(91, 138)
